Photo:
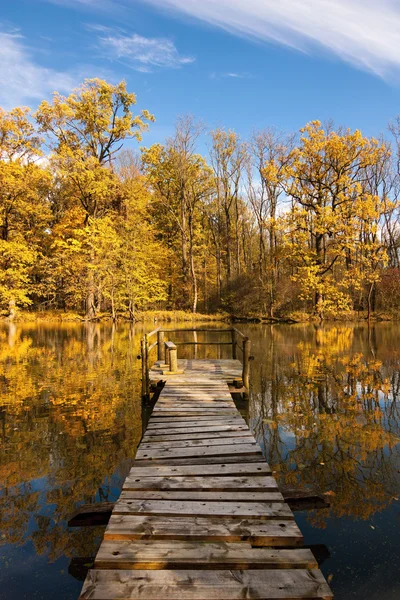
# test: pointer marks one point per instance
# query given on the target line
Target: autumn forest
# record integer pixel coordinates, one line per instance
(280, 225)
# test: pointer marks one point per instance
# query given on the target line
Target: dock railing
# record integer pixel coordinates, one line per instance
(237, 341)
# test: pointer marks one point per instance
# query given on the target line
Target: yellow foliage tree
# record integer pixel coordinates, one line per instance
(24, 207)
(332, 225)
(85, 131)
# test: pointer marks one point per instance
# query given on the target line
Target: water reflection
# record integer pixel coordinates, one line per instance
(70, 422)
(329, 419)
(324, 404)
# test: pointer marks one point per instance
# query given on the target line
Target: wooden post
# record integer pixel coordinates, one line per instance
(145, 374)
(166, 353)
(246, 363)
(160, 347)
(233, 344)
(147, 366)
(173, 359)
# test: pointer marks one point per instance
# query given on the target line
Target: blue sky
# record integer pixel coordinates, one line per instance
(240, 64)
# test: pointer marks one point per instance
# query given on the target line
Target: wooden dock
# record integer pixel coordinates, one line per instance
(200, 516)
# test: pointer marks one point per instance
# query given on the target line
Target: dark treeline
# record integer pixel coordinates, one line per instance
(275, 225)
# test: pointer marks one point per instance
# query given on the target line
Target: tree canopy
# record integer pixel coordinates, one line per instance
(276, 225)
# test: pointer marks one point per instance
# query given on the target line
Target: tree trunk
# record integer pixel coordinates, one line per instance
(237, 240)
(184, 239)
(319, 240)
(192, 268)
(131, 309)
(228, 244)
(11, 310)
(113, 313)
(90, 298)
(370, 297)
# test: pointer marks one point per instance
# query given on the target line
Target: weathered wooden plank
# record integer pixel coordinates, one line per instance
(240, 468)
(144, 554)
(191, 388)
(240, 449)
(254, 584)
(213, 389)
(192, 404)
(201, 483)
(170, 429)
(206, 442)
(157, 423)
(165, 436)
(222, 409)
(206, 402)
(198, 398)
(205, 398)
(213, 496)
(187, 508)
(199, 460)
(193, 412)
(258, 532)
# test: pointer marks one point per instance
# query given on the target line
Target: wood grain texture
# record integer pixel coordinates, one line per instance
(200, 517)
(239, 468)
(179, 422)
(145, 554)
(219, 451)
(187, 508)
(164, 436)
(259, 584)
(200, 460)
(224, 496)
(208, 529)
(201, 483)
(199, 443)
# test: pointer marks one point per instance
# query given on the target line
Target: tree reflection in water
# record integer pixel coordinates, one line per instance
(329, 420)
(70, 422)
(324, 404)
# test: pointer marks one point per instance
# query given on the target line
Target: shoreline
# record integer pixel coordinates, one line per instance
(164, 316)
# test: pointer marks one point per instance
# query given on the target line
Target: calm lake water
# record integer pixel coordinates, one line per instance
(324, 405)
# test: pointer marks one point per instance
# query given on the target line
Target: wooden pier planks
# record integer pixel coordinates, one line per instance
(200, 516)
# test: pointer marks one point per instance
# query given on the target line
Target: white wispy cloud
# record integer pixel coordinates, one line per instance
(21, 79)
(142, 53)
(365, 33)
(230, 75)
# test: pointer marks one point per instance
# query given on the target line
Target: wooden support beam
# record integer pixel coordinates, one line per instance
(99, 513)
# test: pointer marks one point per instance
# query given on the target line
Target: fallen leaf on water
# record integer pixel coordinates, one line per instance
(330, 577)
(372, 527)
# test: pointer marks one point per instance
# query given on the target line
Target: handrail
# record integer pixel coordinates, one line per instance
(153, 332)
(162, 350)
(238, 332)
